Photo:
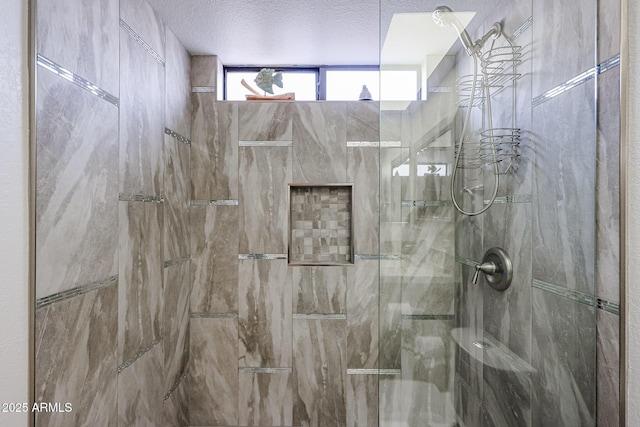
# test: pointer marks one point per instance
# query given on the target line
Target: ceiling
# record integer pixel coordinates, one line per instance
(310, 33)
(276, 32)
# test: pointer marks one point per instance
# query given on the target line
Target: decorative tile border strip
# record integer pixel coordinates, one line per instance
(213, 315)
(140, 198)
(320, 316)
(466, 261)
(265, 143)
(440, 89)
(571, 294)
(609, 64)
(176, 261)
(138, 355)
(142, 43)
(525, 25)
(265, 370)
(427, 317)
(578, 80)
(569, 84)
(262, 256)
(177, 136)
(73, 292)
(374, 372)
(425, 203)
(380, 257)
(203, 89)
(363, 144)
(175, 386)
(388, 144)
(76, 80)
(510, 199)
(608, 306)
(213, 203)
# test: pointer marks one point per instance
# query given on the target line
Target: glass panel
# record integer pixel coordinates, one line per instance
(484, 146)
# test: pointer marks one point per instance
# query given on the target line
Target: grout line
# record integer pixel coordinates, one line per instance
(320, 316)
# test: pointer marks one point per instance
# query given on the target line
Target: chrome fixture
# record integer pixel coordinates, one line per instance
(492, 147)
(497, 267)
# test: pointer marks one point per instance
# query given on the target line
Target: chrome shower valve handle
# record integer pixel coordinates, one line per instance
(488, 268)
(497, 267)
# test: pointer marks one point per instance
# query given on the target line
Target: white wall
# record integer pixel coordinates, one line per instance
(633, 220)
(13, 209)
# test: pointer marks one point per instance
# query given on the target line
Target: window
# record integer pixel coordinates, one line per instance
(301, 81)
(329, 83)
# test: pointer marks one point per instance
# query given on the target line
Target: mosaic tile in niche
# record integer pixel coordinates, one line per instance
(321, 224)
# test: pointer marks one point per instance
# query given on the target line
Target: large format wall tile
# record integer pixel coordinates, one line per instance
(608, 188)
(265, 121)
(564, 361)
(320, 142)
(77, 187)
(81, 37)
(363, 165)
(608, 29)
(176, 323)
(507, 314)
(142, 19)
(427, 246)
(214, 148)
(265, 399)
(140, 391)
(177, 111)
(206, 71)
(319, 289)
(142, 88)
(319, 369)
(362, 400)
(264, 175)
(176, 407)
(427, 372)
(176, 187)
(213, 376)
(363, 121)
(608, 369)
(362, 314)
(76, 359)
(390, 324)
(140, 303)
(564, 190)
(214, 256)
(565, 31)
(264, 314)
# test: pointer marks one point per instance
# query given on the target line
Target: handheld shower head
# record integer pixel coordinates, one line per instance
(444, 17)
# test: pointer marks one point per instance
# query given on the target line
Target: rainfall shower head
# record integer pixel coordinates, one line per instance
(444, 17)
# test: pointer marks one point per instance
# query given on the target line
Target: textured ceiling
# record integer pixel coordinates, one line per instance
(295, 32)
(277, 32)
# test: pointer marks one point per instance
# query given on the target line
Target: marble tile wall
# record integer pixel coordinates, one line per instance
(112, 324)
(77, 187)
(85, 378)
(271, 334)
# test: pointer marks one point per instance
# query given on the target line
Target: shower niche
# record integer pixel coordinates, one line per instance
(320, 224)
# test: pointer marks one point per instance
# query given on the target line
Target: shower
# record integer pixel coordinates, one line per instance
(494, 63)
